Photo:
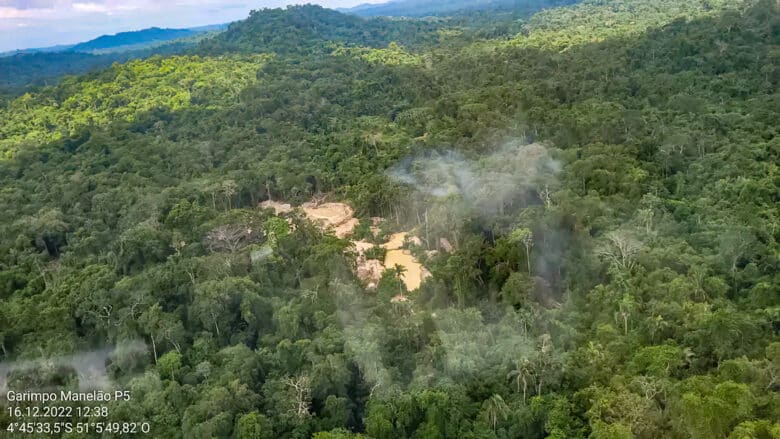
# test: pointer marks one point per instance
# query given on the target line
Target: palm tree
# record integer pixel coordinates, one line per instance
(495, 409)
(520, 374)
(399, 271)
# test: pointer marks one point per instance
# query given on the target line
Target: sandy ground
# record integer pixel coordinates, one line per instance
(368, 270)
(336, 216)
(399, 298)
(278, 207)
(375, 221)
(339, 218)
(362, 246)
(415, 272)
(396, 241)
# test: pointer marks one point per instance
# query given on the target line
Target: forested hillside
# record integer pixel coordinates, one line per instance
(595, 197)
(426, 8)
(304, 29)
(149, 36)
(26, 69)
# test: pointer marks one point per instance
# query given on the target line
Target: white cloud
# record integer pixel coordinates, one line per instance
(91, 7)
(7, 13)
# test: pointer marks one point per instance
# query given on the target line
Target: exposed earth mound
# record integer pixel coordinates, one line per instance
(279, 208)
(339, 218)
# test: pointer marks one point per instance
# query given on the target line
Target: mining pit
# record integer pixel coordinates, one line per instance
(339, 219)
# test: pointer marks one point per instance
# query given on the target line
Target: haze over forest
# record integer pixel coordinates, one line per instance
(483, 219)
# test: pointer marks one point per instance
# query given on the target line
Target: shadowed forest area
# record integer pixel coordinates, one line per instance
(594, 190)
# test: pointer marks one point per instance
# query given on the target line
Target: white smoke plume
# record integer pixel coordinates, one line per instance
(449, 187)
(487, 184)
(89, 367)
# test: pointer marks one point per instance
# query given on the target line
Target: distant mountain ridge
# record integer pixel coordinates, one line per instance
(50, 49)
(122, 41)
(41, 66)
(145, 36)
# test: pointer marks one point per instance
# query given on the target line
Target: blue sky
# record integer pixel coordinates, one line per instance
(40, 23)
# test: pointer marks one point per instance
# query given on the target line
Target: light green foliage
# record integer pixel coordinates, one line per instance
(169, 365)
(338, 433)
(594, 21)
(276, 228)
(660, 361)
(125, 92)
(392, 55)
(614, 414)
(611, 431)
(704, 410)
(756, 430)
(626, 288)
(254, 426)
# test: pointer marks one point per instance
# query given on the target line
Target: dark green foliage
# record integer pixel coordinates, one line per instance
(426, 8)
(301, 29)
(630, 290)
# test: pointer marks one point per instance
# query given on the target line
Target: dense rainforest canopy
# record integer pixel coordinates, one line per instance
(595, 188)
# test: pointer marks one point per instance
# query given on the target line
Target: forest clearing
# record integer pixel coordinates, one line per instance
(339, 219)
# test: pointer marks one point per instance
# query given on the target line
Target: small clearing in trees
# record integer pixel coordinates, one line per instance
(415, 273)
(339, 219)
(279, 208)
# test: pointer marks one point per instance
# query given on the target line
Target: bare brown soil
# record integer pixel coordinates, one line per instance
(279, 208)
(414, 273)
(339, 218)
